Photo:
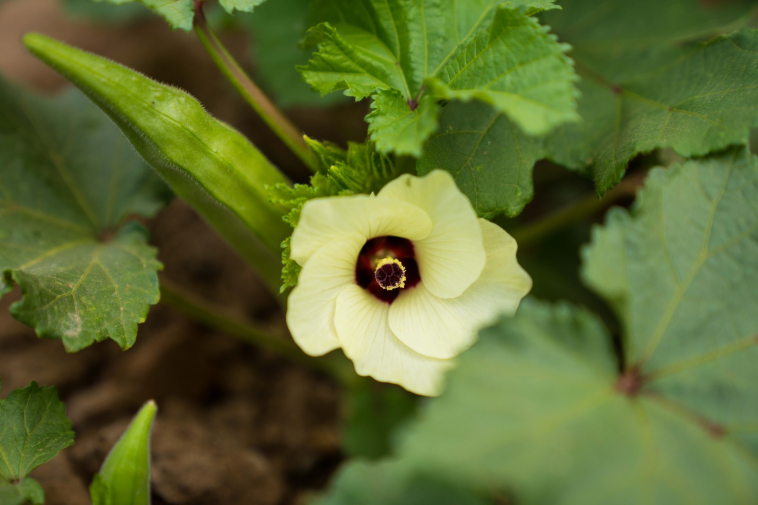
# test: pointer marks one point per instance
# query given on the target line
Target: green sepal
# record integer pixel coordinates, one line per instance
(124, 478)
(212, 166)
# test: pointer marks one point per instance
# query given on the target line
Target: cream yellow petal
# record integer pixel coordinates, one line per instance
(452, 256)
(324, 220)
(364, 332)
(444, 327)
(311, 304)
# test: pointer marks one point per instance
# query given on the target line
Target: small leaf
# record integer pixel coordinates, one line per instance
(351, 60)
(490, 157)
(209, 164)
(241, 5)
(180, 13)
(26, 491)
(34, 430)
(515, 66)
(643, 88)
(416, 53)
(70, 183)
(124, 478)
(394, 127)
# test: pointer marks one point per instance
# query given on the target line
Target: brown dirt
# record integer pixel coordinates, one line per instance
(236, 425)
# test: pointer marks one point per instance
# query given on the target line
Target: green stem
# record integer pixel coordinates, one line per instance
(534, 232)
(279, 342)
(274, 118)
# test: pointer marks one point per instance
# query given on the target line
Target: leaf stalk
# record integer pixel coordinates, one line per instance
(278, 341)
(252, 94)
(534, 232)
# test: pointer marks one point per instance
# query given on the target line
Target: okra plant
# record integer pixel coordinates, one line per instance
(397, 261)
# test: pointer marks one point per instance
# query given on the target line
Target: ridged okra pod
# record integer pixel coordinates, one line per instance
(206, 162)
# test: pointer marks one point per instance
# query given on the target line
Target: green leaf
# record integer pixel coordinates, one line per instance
(490, 157)
(70, 184)
(180, 13)
(374, 411)
(680, 270)
(240, 5)
(362, 483)
(643, 88)
(209, 164)
(351, 60)
(34, 428)
(26, 491)
(395, 127)
(515, 66)
(549, 422)
(124, 478)
(405, 50)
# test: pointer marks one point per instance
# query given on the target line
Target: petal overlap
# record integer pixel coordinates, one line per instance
(311, 304)
(366, 338)
(452, 256)
(445, 327)
(325, 220)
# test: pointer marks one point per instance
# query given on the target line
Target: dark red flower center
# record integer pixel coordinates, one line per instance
(385, 282)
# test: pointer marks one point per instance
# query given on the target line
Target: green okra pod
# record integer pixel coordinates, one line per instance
(206, 162)
(124, 478)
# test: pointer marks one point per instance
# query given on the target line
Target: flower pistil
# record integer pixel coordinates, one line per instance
(390, 273)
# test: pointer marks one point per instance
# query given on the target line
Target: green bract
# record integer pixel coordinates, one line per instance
(408, 55)
(360, 169)
(70, 185)
(538, 409)
(204, 161)
(124, 478)
(33, 429)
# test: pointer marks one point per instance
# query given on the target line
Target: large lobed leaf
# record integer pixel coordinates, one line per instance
(681, 271)
(70, 184)
(33, 429)
(409, 54)
(537, 411)
(490, 157)
(643, 87)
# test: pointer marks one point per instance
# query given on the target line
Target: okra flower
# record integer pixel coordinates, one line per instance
(402, 281)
